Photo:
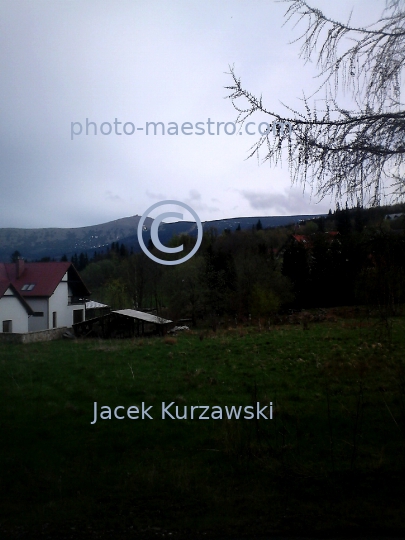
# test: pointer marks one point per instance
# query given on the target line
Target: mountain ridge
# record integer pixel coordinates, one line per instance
(54, 242)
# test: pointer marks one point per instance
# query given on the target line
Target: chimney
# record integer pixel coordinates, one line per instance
(20, 267)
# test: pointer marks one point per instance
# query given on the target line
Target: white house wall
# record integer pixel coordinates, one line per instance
(39, 305)
(59, 302)
(12, 309)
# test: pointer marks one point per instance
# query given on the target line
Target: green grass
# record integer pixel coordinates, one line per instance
(331, 459)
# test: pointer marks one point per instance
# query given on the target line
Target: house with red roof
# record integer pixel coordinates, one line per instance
(40, 296)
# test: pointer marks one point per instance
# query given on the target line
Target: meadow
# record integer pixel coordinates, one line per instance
(330, 461)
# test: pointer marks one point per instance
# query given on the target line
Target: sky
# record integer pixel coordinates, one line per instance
(138, 61)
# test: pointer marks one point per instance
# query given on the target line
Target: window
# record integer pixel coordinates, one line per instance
(77, 315)
(7, 326)
(28, 287)
(54, 319)
(38, 313)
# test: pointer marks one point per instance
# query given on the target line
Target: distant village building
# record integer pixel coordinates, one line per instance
(40, 296)
(307, 241)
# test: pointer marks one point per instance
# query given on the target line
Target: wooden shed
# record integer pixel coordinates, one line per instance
(122, 323)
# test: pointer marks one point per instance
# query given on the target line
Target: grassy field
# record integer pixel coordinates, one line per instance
(331, 460)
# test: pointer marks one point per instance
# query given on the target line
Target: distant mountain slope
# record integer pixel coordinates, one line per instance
(55, 242)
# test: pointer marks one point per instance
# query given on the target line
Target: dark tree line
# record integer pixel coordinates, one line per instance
(81, 260)
(359, 265)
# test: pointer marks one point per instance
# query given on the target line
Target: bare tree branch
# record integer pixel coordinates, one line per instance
(340, 152)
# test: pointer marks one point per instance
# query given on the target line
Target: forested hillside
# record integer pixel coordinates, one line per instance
(352, 256)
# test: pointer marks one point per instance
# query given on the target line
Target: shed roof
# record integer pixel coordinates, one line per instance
(92, 304)
(140, 315)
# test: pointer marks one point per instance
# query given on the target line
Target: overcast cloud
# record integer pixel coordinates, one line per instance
(140, 61)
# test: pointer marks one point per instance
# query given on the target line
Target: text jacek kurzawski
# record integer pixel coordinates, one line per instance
(194, 412)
